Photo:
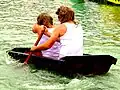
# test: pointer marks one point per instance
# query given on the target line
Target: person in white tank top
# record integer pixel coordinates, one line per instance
(46, 20)
(69, 33)
(72, 41)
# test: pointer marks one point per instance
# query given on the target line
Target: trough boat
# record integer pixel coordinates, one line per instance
(86, 64)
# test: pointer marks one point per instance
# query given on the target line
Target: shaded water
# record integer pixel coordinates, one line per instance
(101, 24)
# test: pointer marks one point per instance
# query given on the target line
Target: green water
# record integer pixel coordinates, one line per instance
(101, 24)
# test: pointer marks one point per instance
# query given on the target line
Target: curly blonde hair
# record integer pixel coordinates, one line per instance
(65, 14)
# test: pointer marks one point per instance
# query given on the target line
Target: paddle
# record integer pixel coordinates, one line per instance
(36, 43)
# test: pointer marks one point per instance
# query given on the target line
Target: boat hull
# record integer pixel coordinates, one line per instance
(69, 65)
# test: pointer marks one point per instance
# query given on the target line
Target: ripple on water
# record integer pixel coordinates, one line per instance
(101, 25)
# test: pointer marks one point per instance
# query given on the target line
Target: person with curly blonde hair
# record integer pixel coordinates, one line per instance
(69, 33)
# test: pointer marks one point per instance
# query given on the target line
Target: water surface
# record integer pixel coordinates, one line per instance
(101, 24)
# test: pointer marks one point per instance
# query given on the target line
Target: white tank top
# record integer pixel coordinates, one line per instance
(72, 41)
(53, 52)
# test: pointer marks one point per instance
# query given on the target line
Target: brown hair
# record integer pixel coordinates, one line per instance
(65, 14)
(44, 19)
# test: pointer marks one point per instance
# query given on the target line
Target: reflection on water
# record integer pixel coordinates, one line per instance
(101, 24)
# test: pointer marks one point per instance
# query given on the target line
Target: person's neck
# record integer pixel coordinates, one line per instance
(70, 21)
(51, 26)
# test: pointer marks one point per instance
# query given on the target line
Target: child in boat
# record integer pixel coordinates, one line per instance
(45, 21)
(70, 34)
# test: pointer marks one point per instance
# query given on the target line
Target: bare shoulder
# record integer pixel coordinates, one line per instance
(37, 28)
(61, 29)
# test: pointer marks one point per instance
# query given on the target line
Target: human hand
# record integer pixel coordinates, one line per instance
(33, 48)
(46, 29)
(47, 33)
(43, 28)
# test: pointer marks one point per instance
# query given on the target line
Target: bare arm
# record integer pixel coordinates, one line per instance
(48, 44)
(59, 31)
(47, 33)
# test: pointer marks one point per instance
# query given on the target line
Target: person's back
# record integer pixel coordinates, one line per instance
(47, 20)
(52, 52)
(72, 41)
(71, 33)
